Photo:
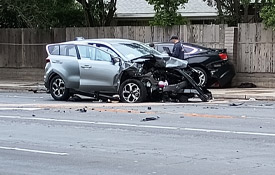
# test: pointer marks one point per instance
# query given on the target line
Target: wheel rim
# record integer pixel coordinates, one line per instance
(131, 92)
(202, 77)
(58, 87)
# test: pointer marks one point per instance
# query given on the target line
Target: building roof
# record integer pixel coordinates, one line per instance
(141, 9)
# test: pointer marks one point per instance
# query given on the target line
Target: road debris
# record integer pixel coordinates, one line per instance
(247, 85)
(33, 90)
(252, 99)
(150, 119)
(236, 104)
(75, 98)
(82, 110)
(210, 107)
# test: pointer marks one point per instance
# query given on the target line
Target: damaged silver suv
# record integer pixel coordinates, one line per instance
(102, 68)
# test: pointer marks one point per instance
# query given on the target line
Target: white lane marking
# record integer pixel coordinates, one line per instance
(260, 118)
(46, 119)
(23, 109)
(232, 132)
(15, 96)
(141, 126)
(33, 151)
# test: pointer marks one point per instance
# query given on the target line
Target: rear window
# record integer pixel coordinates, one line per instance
(197, 47)
(54, 49)
(188, 49)
(67, 50)
(64, 50)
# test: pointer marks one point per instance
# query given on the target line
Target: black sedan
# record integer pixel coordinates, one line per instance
(212, 65)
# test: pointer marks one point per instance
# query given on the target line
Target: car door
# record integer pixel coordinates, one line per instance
(97, 70)
(65, 63)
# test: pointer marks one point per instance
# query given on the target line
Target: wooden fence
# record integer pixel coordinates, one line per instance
(25, 48)
(256, 49)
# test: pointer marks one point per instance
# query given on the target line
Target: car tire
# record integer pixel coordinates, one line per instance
(203, 77)
(183, 98)
(132, 91)
(58, 89)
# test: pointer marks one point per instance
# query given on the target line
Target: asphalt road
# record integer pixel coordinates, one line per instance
(42, 136)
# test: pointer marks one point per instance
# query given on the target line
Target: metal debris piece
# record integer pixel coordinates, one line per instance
(82, 110)
(150, 119)
(247, 85)
(236, 104)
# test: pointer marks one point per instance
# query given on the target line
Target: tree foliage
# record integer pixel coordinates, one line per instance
(268, 14)
(166, 12)
(228, 10)
(233, 12)
(98, 12)
(56, 13)
(40, 13)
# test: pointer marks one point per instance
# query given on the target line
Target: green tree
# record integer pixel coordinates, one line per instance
(233, 12)
(245, 4)
(40, 13)
(268, 14)
(228, 10)
(166, 12)
(98, 12)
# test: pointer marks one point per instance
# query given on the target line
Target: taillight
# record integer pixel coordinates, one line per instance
(47, 60)
(223, 56)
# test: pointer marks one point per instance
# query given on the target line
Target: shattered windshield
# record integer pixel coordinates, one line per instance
(134, 50)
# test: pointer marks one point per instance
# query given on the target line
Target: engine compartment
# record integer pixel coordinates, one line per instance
(165, 81)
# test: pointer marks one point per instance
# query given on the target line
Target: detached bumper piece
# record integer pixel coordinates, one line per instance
(204, 94)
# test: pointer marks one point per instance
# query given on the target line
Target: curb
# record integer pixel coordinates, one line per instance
(244, 97)
(241, 94)
(22, 88)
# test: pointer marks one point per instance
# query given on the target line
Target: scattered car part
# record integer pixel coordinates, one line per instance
(150, 119)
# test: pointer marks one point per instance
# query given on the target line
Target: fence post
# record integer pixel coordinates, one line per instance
(231, 43)
(23, 51)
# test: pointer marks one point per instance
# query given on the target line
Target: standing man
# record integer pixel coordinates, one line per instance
(178, 49)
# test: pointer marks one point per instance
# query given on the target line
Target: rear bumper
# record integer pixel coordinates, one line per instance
(224, 74)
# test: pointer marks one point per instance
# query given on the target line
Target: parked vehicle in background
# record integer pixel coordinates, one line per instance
(213, 66)
(101, 68)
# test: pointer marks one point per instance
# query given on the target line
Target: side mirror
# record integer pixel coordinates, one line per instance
(152, 45)
(115, 60)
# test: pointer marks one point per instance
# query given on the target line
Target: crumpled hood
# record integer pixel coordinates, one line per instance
(174, 62)
(162, 61)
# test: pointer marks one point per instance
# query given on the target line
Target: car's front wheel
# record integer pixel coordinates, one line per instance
(132, 91)
(58, 89)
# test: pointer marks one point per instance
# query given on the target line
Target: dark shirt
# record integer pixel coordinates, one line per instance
(178, 51)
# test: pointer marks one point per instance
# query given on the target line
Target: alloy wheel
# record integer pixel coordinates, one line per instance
(202, 78)
(58, 87)
(131, 92)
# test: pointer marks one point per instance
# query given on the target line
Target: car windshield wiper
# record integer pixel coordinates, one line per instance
(144, 57)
